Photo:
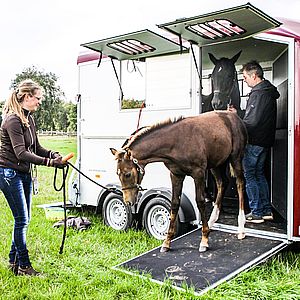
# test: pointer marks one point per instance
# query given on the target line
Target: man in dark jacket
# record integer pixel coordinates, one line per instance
(260, 121)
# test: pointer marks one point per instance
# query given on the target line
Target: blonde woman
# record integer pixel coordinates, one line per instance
(19, 150)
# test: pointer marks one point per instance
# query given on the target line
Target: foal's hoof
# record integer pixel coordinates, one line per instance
(164, 249)
(203, 248)
(241, 235)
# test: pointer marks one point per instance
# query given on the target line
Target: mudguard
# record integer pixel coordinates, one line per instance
(186, 210)
(103, 194)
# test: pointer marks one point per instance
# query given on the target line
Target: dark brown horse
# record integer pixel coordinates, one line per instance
(225, 88)
(188, 146)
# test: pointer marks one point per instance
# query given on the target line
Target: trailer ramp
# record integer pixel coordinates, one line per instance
(183, 264)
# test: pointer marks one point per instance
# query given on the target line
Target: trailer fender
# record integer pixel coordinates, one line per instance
(186, 211)
(104, 193)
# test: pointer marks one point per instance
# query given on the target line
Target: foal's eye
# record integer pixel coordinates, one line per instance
(127, 175)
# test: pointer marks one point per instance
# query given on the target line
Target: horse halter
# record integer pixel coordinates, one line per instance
(141, 173)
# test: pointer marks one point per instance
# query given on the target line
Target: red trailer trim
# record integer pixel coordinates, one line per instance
(291, 29)
(296, 228)
(88, 56)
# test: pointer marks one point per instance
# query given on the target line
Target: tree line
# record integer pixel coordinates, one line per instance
(54, 113)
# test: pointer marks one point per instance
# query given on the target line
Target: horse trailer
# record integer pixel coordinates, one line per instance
(138, 79)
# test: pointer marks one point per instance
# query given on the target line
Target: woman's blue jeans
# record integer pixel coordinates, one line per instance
(257, 188)
(16, 187)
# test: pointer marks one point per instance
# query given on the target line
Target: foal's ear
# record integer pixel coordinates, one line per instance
(113, 151)
(212, 58)
(236, 57)
(117, 154)
(127, 153)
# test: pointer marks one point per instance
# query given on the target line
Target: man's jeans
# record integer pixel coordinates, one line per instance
(256, 184)
(16, 187)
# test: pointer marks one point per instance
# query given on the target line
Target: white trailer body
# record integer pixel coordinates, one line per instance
(102, 124)
(169, 82)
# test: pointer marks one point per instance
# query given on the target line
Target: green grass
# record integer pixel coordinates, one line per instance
(84, 270)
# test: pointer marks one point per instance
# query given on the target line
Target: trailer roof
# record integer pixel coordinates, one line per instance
(166, 45)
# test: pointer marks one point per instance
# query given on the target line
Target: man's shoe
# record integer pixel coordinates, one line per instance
(268, 217)
(28, 270)
(13, 267)
(254, 219)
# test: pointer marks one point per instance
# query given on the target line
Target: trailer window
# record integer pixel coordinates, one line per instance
(133, 84)
(160, 82)
(168, 82)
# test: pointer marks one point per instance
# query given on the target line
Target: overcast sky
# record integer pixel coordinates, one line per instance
(47, 33)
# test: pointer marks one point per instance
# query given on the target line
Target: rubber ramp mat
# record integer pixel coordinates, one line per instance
(225, 258)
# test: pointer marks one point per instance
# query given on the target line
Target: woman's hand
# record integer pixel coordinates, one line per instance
(57, 163)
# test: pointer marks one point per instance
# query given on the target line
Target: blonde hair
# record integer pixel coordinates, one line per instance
(13, 103)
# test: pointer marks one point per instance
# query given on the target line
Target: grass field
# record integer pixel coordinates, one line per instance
(84, 271)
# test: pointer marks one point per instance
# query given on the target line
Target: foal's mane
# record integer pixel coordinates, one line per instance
(147, 130)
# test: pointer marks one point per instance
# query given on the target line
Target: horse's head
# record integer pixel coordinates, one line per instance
(130, 174)
(223, 80)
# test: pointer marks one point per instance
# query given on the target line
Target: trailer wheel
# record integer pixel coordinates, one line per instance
(156, 217)
(116, 213)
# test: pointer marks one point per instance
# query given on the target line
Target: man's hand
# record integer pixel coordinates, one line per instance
(231, 108)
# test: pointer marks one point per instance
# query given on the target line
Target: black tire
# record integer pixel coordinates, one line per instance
(116, 213)
(156, 217)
